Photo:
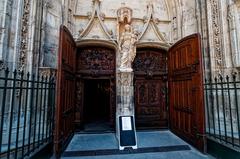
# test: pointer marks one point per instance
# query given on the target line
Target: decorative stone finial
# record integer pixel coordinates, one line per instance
(124, 14)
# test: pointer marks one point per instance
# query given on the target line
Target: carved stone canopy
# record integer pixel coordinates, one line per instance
(124, 14)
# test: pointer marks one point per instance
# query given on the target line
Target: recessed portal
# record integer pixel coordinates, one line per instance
(96, 104)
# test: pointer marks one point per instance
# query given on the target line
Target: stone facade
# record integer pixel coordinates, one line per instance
(29, 30)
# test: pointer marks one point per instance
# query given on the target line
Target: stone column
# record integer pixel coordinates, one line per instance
(125, 101)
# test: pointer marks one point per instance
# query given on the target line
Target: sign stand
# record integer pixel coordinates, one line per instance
(127, 132)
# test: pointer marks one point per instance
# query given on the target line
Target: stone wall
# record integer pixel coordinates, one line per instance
(7, 35)
(168, 16)
(52, 19)
(29, 30)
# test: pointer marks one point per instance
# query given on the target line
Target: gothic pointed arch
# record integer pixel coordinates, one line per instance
(150, 29)
(95, 22)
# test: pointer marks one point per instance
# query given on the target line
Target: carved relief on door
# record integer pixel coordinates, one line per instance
(153, 61)
(150, 88)
(150, 103)
(96, 60)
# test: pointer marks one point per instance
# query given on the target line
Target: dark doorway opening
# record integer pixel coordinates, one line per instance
(96, 105)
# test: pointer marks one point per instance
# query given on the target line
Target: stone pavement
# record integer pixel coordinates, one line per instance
(151, 144)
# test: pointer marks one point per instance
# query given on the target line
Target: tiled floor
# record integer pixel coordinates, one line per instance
(108, 141)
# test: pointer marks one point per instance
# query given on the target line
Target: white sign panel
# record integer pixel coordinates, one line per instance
(126, 123)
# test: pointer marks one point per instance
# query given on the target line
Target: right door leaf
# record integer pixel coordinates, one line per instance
(186, 102)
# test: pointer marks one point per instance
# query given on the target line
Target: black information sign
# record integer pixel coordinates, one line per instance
(127, 131)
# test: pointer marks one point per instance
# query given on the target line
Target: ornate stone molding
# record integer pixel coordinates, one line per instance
(233, 34)
(217, 36)
(100, 18)
(150, 21)
(49, 4)
(24, 35)
(47, 72)
(1, 31)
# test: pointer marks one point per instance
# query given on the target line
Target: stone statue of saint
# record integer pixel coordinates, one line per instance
(127, 48)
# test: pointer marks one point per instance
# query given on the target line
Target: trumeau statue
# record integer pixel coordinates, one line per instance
(127, 48)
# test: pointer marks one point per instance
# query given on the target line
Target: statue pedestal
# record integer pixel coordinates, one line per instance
(125, 118)
(125, 93)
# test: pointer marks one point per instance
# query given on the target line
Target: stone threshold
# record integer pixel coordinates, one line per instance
(126, 151)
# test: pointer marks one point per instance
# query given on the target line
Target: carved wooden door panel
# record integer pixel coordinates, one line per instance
(64, 127)
(150, 104)
(186, 91)
(150, 89)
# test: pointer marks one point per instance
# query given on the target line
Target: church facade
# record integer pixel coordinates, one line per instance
(145, 59)
(29, 27)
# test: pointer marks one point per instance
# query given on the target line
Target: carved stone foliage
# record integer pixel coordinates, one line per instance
(150, 61)
(217, 36)
(97, 59)
(24, 35)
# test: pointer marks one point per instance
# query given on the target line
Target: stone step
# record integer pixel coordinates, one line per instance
(107, 152)
(151, 145)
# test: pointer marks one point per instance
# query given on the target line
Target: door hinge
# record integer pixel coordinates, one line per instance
(200, 135)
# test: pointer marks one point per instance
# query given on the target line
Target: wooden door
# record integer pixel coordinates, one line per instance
(64, 127)
(186, 101)
(150, 88)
